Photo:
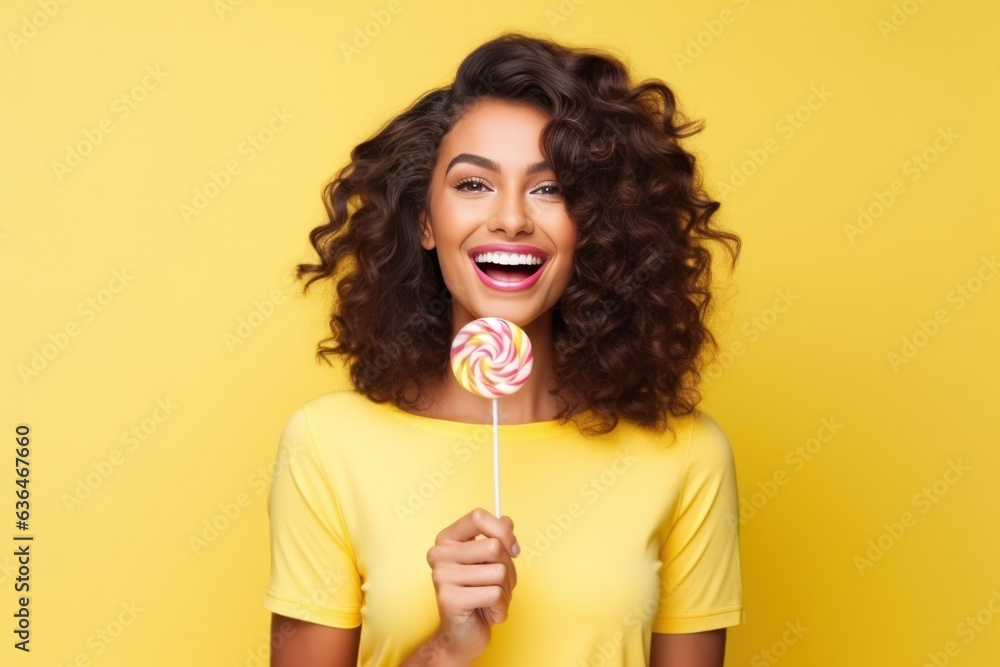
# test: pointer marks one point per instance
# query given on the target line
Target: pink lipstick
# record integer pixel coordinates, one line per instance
(510, 267)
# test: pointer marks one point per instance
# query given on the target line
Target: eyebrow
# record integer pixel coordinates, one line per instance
(487, 163)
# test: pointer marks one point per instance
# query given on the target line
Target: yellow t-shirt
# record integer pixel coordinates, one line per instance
(621, 535)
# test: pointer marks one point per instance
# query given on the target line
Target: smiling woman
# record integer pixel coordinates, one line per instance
(545, 188)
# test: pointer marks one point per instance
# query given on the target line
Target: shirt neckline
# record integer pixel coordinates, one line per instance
(506, 432)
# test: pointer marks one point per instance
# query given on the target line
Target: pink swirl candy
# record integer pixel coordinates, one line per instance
(491, 357)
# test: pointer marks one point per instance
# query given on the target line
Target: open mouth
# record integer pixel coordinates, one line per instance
(508, 267)
(509, 273)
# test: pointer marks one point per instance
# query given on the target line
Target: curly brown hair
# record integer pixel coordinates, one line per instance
(630, 327)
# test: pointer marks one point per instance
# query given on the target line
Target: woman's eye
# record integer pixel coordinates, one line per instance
(551, 187)
(470, 182)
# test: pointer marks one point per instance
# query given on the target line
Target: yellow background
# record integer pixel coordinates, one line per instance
(163, 330)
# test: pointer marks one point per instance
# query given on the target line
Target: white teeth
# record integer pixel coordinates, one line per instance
(508, 258)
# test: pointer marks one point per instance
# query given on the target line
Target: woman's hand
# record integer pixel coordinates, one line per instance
(473, 580)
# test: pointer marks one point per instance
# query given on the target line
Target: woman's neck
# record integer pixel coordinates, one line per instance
(531, 403)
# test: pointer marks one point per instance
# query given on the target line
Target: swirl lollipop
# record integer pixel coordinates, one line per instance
(491, 357)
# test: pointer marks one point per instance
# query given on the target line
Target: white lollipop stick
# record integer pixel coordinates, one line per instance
(496, 463)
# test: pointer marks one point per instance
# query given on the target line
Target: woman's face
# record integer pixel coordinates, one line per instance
(497, 216)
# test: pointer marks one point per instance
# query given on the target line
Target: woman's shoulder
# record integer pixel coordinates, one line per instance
(324, 409)
(695, 435)
(707, 440)
(338, 416)
(335, 399)
(340, 407)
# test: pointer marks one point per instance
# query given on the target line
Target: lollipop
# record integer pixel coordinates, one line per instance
(491, 357)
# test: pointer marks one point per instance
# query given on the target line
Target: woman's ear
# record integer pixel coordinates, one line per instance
(426, 233)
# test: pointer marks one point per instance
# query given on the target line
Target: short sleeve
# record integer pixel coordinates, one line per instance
(700, 581)
(314, 576)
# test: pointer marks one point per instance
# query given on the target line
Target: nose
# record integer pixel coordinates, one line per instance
(513, 214)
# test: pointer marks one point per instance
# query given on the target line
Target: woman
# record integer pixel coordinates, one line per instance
(542, 187)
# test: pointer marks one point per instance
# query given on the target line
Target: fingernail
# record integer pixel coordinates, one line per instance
(517, 548)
